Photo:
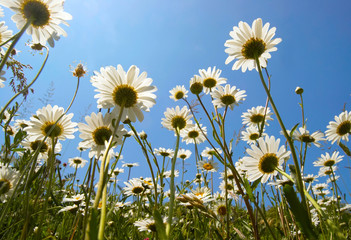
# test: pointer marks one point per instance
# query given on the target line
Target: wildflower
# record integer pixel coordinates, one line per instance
(184, 154)
(251, 134)
(98, 131)
(319, 187)
(79, 71)
(230, 174)
(9, 178)
(142, 135)
(210, 152)
(211, 78)
(147, 224)
(177, 119)
(45, 147)
(134, 187)
(227, 96)
(178, 93)
(4, 36)
(256, 115)
(299, 90)
(328, 160)
(339, 129)
(130, 165)
(167, 174)
(304, 135)
(45, 16)
(43, 124)
(72, 209)
(327, 171)
(310, 178)
(208, 165)
(77, 199)
(164, 152)
(249, 43)
(220, 209)
(77, 162)
(117, 88)
(193, 134)
(2, 79)
(117, 171)
(264, 159)
(196, 85)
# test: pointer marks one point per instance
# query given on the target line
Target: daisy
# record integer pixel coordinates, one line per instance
(231, 187)
(193, 134)
(147, 224)
(211, 78)
(339, 129)
(45, 16)
(71, 209)
(178, 93)
(117, 171)
(77, 199)
(208, 165)
(210, 152)
(184, 154)
(4, 36)
(177, 118)
(167, 174)
(196, 85)
(117, 88)
(264, 159)
(251, 134)
(327, 171)
(255, 116)
(230, 174)
(77, 162)
(164, 152)
(220, 209)
(304, 135)
(328, 160)
(2, 79)
(319, 187)
(98, 130)
(9, 178)
(43, 124)
(45, 147)
(227, 96)
(130, 165)
(248, 43)
(310, 178)
(134, 187)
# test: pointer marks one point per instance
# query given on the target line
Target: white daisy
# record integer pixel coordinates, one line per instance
(196, 85)
(9, 178)
(77, 199)
(208, 165)
(210, 152)
(4, 36)
(339, 129)
(98, 130)
(327, 171)
(303, 135)
(220, 209)
(264, 159)
(2, 79)
(77, 162)
(130, 165)
(211, 78)
(134, 187)
(117, 171)
(251, 134)
(227, 96)
(164, 152)
(193, 134)
(167, 174)
(184, 154)
(45, 147)
(178, 93)
(309, 178)
(147, 224)
(248, 43)
(72, 209)
(328, 160)
(319, 187)
(43, 122)
(118, 88)
(45, 17)
(255, 116)
(177, 118)
(231, 187)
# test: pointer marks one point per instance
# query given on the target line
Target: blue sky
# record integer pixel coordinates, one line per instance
(172, 40)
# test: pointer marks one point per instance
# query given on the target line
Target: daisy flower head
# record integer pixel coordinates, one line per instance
(211, 78)
(164, 152)
(249, 43)
(220, 209)
(146, 225)
(128, 90)
(328, 160)
(196, 85)
(227, 96)
(134, 187)
(251, 134)
(210, 152)
(130, 165)
(43, 124)
(256, 115)
(45, 147)
(203, 194)
(44, 16)
(9, 178)
(327, 171)
(339, 129)
(184, 154)
(176, 118)
(208, 165)
(5, 35)
(264, 159)
(77, 162)
(193, 134)
(178, 93)
(309, 178)
(303, 135)
(97, 131)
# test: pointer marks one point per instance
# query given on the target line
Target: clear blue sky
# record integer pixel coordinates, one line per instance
(172, 40)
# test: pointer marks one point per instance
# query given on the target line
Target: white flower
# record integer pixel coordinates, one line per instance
(68, 208)
(339, 129)
(9, 178)
(210, 152)
(130, 165)
(118, 88)
(147, 224)
(4, 36)
(2, 79)
(184, 154)
(45, 16)
(196, 85)
(251, 134)
(134, 187)
(211, 78)
(45, 147)
(41, 124)
(208, 165)
(177, 118)
(256, 115)
(227, 96)
(264, 159)
(77, 162)
(328, 160)
(164, 152)
(178, 93)
(193, 134)
(77, 199)
(303, 135)
(249, 43)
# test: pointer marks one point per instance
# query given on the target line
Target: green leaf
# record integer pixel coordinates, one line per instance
(160, 226)
(94, 225)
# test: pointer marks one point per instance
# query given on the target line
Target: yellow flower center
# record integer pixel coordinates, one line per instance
(329, 163)
(101, 134)
(253, 48)
(209, 82)
(306, 138)
(151, 227)
(52, 130)
(137, 190)
(268, 163)
(125, 95)
(179, 95)
(254, 136)
(208, 166)
(256, 118)
(5, 186)
(37, 11)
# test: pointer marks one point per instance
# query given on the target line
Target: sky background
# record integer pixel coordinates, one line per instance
(172, 40)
